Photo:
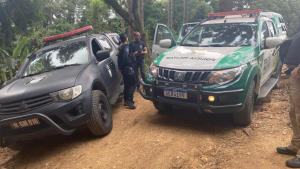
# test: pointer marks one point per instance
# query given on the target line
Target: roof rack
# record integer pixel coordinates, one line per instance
(223, 14)
(66, 35)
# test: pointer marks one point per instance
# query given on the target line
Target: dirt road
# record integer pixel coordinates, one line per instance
(142, 138)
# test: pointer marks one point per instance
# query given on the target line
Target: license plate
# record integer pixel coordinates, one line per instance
(25, 123)
(176, 93)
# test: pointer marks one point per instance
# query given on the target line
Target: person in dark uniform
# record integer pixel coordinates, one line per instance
(292, 61)
(126, 68)
(139, 50)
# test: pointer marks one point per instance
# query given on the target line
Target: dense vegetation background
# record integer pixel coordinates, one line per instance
(23, 23)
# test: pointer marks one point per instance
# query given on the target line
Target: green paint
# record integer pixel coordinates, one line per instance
(179, 35)
(235, 58)
(275, 20)
(159, 58)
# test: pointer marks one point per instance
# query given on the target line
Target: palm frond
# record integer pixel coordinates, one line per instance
(17, 51)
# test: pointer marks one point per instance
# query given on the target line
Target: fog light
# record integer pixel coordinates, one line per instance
(211, 98)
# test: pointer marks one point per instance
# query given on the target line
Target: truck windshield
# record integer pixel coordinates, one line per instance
(222, 35)
(67, 55)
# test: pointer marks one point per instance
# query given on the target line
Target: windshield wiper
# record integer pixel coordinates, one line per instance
(61, 67)
(48, 70)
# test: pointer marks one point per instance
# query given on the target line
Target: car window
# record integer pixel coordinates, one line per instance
(264, 33)
(222, 35)
(105, 44)
(68, 54)
(271, 28)
(115, 39)
(162, 33)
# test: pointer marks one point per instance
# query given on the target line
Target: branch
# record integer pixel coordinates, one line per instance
(123, 13)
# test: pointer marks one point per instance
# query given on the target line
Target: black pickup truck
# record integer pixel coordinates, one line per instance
(61, 87)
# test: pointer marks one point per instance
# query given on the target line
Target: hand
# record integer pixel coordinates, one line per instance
(119, 70)
(136, 53)
(294, 74)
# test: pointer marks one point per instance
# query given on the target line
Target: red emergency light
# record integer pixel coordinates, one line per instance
(68, 34)
(235, 13)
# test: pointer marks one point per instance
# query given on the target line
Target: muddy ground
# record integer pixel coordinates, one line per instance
(142, 138)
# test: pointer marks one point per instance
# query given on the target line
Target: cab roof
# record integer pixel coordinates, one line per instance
(230, 20)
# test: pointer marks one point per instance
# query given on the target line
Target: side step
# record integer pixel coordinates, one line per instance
(267, 87)
(116, 95)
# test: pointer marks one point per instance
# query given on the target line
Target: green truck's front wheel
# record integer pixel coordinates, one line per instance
(244, 117)
(162, 107)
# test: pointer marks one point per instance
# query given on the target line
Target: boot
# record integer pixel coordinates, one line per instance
(130, 105)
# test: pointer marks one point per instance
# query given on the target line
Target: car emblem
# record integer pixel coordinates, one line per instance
(179, 76)
(109, 70)
(23, 106)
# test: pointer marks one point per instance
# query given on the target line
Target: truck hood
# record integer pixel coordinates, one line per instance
(40, 84)
(203, 58)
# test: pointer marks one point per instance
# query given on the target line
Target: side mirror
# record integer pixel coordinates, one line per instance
(102, 55)
(165, 43)
(272, 42)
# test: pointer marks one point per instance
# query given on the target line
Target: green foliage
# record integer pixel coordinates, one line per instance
(17, 51)
(25, 54)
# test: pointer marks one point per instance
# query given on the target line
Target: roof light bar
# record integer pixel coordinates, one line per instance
(235, 13)
(68, 34)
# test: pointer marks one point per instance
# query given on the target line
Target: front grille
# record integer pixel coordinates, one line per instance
(7, 130)
(25, 105)
(196, 77)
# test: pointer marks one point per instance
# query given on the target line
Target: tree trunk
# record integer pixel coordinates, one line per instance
(130, 32)
(134, 21)
(141, 12)
(185, 16)
(3, 76)
(226, 5)
(122, 24)
(170, 17)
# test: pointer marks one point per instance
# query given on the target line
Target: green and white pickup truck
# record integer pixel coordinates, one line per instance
(223, 65)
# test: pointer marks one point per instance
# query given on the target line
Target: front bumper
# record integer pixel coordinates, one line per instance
(55, 118)
(196, 97)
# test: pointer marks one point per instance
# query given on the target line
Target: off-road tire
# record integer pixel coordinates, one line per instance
(21, 145)
(101, 121)
(244, 117)
(163, 107)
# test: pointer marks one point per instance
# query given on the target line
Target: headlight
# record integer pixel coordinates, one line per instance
(67, 94)
(152, 72)
(225, 76)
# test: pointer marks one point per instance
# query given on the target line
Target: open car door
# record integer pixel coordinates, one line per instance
(163, 40)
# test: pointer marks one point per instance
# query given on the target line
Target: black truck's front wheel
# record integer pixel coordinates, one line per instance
(244, 117)
(100, 122)
(21, 145)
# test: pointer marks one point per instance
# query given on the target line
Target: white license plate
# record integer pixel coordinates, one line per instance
(25, 123)
(176, 93)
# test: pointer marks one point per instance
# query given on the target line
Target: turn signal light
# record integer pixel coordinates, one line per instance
(211, 98)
